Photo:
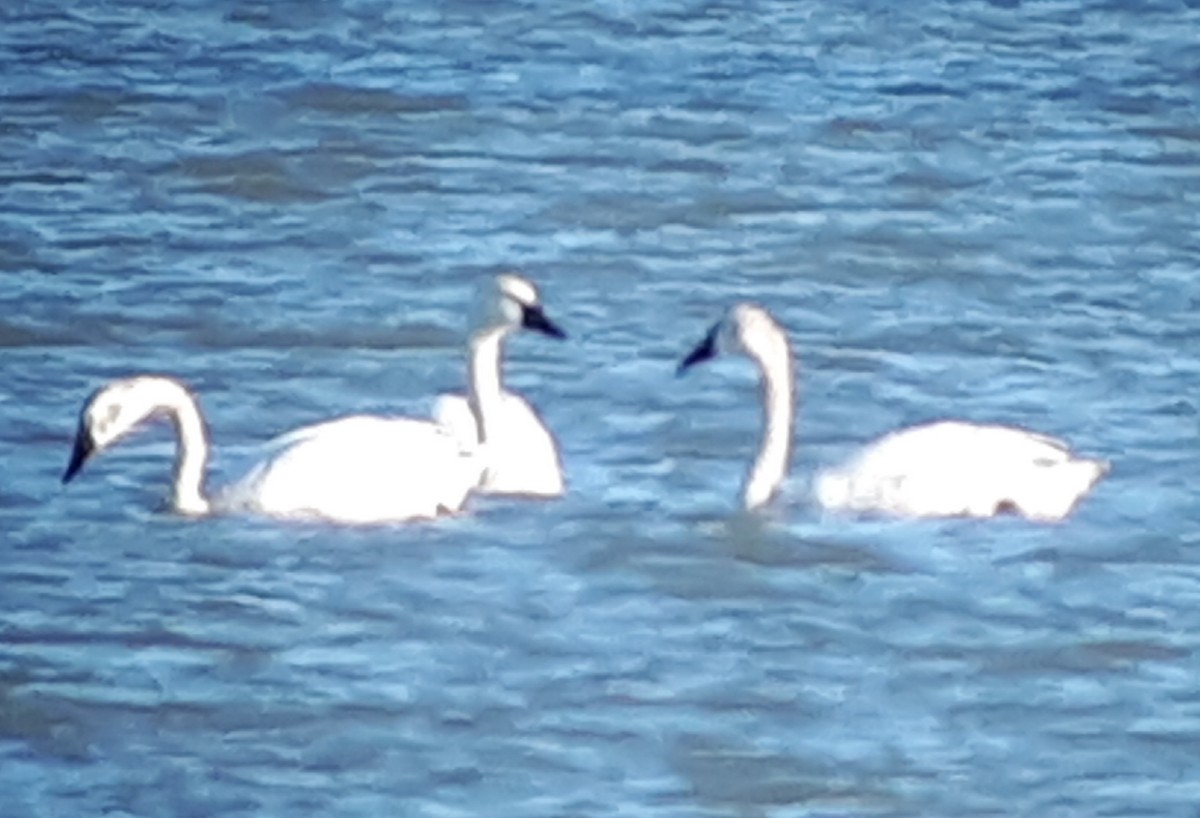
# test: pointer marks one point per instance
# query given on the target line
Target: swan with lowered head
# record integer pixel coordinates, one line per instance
(357, 469)
(942, 469)
(521, 453)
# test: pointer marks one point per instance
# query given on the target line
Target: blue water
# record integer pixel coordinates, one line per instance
(969, 209)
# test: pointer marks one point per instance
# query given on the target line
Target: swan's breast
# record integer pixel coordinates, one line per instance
(522, 454)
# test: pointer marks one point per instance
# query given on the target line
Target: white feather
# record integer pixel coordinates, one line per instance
(948, 468)
(523, 456)
(362, 468)
(358, 469)
(952, 468)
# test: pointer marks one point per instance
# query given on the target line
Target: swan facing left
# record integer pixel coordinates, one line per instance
(356, 469)
(948, 468)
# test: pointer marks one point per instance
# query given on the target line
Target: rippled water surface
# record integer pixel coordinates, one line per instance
(982, 210)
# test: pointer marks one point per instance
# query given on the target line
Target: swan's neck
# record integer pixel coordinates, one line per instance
(191, 458)
(484, 387)
(779, 409)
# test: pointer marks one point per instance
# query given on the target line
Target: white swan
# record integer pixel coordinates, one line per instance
(357, 469)
(943, 469)
(522, 455)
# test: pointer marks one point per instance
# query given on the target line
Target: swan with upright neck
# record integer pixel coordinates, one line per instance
(357, 469)
(522, 456)
(943, 469)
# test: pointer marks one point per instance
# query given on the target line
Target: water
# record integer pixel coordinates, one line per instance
(983, 210)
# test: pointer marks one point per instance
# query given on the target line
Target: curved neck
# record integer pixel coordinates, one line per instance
(484, 386)
(779, 407)
(191, 458)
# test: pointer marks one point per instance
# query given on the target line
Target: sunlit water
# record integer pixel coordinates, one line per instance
(981, 210)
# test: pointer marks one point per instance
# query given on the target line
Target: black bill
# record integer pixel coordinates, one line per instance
(533, 318)
(79, 455)
(704, 350)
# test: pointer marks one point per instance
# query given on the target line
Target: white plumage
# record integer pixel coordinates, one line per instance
(363, 468)
(947, 468)
(357, 469)
(523, 457)
(521, 453)
(952, 468)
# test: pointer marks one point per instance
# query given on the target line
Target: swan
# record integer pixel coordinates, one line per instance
(356, 469)
(945, 468)
(522, 454)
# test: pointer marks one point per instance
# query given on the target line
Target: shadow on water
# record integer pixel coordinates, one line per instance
(373, 337)
(750, 780)
(211, 331)
(347, 100)
(259, 176)
(760, 540)
(46, 723)
(749, 558)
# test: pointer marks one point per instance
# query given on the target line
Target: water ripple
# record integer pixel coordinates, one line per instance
(981, 209)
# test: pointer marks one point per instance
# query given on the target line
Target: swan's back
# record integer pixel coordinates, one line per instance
(522, 455)
(952, 468)
(360, 469)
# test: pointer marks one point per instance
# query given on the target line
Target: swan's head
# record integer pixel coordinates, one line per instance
(507, 302)
(112, 411)
(745, 329)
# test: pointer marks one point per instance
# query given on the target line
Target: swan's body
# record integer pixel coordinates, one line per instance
(522, 460)
(522, 455)
(358, 469)
(948, 468)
